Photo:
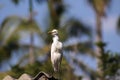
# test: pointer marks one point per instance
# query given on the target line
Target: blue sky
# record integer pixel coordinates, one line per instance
(79, 9)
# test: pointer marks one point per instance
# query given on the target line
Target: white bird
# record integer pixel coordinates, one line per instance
(56, 50)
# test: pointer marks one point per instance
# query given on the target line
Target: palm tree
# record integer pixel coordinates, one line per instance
(30, 21)
(29, 25)
(8, 45)
(77, 29)
(19, 25)
(72, 28)
(99, 7)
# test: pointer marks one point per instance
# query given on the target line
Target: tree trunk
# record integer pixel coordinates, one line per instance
(98, 34)
(53, 14)
(31, 50)
(98, 48)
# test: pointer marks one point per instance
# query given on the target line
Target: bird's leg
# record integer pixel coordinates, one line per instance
(59, 71)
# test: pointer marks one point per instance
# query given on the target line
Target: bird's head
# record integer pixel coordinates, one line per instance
(53, 32)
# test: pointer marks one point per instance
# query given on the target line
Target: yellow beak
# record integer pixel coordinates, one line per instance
(50, 32)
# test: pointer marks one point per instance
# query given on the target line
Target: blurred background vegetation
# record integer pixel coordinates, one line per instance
(76, 35)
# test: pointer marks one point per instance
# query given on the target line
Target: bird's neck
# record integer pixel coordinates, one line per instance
(55, 38)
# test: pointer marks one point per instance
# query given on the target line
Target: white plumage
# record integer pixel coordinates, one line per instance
(56, 50)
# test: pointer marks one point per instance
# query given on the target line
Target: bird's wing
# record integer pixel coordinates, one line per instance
(59, 46)
(56, 47)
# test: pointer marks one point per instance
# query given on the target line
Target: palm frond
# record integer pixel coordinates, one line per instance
(93, 74)
(29, 26)
(76, 27)
(83, 47)
(12, 25)
(8, 26)
(10, 20)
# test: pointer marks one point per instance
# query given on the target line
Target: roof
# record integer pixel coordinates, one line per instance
(40, 76)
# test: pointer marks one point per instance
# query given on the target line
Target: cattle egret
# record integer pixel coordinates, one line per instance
(56, 51)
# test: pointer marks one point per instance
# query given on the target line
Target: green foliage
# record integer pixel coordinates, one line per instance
(63, 34)
(6, 50)
(9, 24)
(101, 44)
(76, 28)
(111, 63)
(29, 26)
(35, 68)
(4, 54)
(16, 71)
(9, 39)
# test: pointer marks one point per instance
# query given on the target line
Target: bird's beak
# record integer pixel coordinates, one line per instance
(50, 32)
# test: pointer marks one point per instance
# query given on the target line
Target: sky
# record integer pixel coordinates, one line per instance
(79, 9)
(76, 8)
